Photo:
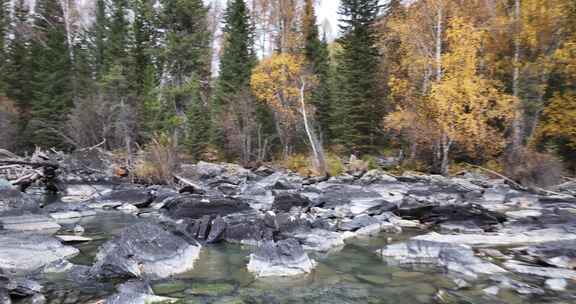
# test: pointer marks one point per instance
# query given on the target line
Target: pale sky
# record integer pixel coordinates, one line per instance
(328, 12)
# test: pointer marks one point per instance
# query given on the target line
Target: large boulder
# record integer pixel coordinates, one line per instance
(145, 250)
(22, 253)
(456, 258)
(283, 258)
(14, 202)
(196, 207)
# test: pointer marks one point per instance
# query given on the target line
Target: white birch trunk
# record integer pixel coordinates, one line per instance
(317, 150)
(518, 122)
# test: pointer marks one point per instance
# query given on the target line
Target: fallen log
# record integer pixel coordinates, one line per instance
(43, 172)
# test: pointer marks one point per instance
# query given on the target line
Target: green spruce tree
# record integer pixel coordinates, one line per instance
(52, 75)
(187, 57)
(4, 29)
(143, 68)
(357, 110)
(236, 63)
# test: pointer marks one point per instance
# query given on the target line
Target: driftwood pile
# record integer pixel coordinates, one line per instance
(24, 172)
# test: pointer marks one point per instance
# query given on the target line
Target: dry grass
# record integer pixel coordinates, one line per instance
(531, 168)
(159, 161)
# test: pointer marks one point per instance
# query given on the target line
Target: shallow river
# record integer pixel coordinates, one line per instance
(352, 275)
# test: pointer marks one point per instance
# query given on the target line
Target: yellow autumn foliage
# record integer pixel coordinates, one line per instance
(277, 81)
(560, 118)
(467, 108)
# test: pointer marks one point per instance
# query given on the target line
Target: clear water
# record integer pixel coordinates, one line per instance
(353, 275)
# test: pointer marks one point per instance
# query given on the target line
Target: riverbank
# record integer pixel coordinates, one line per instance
(239, 235)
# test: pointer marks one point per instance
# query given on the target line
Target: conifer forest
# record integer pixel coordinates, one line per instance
(439, 82)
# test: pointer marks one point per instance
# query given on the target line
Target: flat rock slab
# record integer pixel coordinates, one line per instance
(456, 258)
(73, 238)
(321, 240)
(28, 222)
(196, 207)
(546, 272)
(66, 215)
(501, 239)
(22, 253)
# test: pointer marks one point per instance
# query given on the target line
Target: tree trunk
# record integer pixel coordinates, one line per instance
(517, 136)
(319, 159)
(439, 30)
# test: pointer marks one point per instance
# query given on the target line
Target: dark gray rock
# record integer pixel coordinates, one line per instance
(283, 258)
(250, 231)
(286, 201)
(144, 251)
(469, 214)
(196, 207)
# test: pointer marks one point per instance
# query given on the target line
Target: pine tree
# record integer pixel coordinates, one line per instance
(236, 63)
(99, 33)
(4, 28)
(143, 71)
(187, 58)
(52, 75)
(144, 29)
(316, 53)
(357, 113)
(117, 37)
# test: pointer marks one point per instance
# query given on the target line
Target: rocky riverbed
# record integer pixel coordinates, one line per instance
(267, 236)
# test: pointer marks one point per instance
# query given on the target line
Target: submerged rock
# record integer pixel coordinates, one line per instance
(456, 258)
(283, 258)
(22, 253)
(137, 292)
(145, 251)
